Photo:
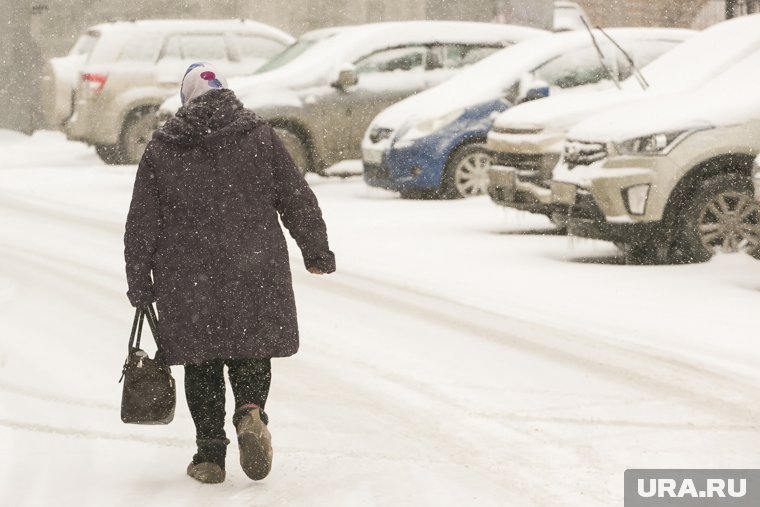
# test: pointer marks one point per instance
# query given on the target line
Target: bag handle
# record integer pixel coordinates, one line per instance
(136, 334)
(137, 326)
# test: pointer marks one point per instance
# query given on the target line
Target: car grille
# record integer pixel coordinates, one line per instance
(533, 168)
(379, 134)
(516, 131)
(583, 153)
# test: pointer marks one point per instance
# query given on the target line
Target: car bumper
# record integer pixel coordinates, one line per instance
(415, 167)
(506, 189)
(585, 218)
(609, 182)
(93, 124)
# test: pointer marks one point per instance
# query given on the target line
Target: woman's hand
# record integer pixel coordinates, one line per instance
(316, 271)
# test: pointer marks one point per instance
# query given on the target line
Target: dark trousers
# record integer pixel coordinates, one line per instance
(205, 390)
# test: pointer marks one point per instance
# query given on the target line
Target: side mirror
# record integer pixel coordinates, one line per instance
(536, 92)
(531, 88)
(347, 77)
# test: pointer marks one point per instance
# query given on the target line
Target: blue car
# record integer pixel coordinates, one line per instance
(432, 144)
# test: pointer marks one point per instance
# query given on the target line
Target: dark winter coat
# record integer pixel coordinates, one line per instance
(204, 220)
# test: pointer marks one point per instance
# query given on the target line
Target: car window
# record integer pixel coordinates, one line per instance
(172, 49)
(402, 59)
(144, 48)
(254, 47)
(456, 56)
(575, 68)
(195, 47)
(203, 47)
(85, 44)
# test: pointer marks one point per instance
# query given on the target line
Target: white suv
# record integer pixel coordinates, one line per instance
(107, 90)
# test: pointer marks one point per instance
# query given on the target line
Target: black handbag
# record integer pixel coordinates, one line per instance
(149, 395)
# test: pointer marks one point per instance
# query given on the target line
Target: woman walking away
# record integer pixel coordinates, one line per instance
(204, 221)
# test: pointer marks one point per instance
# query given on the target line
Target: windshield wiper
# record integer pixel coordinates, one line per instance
(601, 54)
(636, 72)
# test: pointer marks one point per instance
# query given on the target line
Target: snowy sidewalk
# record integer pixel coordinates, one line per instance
(462, 355)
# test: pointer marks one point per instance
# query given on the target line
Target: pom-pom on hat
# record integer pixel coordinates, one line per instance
(199, 78)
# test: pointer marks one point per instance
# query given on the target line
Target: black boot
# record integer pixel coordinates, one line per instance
(208, 463)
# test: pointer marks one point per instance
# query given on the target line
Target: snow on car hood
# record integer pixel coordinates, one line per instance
(493, 76)
(563, 111)
(729, 99)
(685, 67)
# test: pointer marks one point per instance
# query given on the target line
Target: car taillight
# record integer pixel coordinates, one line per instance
(94, 82)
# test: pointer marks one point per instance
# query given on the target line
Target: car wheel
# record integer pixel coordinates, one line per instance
(108, 153)
(466, 173)
(644, 254)
(417, 194)
(296, 147)
(137, 131)
(721, 217)
(559, 220)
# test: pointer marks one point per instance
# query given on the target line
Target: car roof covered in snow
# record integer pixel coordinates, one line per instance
(353, 42)
(687, 66)
(729, 99)
(191, 25)
(340, 45)
(494, 75)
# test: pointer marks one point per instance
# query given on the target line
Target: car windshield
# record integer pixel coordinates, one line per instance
(288, 55)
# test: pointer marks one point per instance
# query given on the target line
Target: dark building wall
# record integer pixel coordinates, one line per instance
(642, 12)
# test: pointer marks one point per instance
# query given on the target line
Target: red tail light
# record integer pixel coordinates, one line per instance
(94, 82)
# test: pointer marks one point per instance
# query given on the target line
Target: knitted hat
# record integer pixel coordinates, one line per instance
(199, 78)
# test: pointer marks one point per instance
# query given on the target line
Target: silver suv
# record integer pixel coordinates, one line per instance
(107, 90)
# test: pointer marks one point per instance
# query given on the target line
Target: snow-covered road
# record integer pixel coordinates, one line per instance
(462, 355)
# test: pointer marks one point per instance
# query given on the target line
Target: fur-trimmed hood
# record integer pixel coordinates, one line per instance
(215, 114)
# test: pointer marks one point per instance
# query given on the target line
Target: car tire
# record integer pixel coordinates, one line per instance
(721, 215)
(108, 153)
(466, 173)
(137, 131)
(647, 253)
(296, 147)
(418, 195)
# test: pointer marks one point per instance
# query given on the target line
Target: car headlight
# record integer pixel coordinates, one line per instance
(654, 144)
(428, 126)
(635, 198)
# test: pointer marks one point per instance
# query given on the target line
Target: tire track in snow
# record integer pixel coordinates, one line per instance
(687, 383)
(544, 341)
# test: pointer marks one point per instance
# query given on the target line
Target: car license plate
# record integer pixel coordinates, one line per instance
(373, 157)
(563, 193)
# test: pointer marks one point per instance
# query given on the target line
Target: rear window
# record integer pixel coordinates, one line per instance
(85, 44)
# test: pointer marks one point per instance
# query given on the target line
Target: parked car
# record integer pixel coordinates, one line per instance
(322, 92)
(568, 16)
(526, 141)
(669, 180)
(432, 143)
(107, 90)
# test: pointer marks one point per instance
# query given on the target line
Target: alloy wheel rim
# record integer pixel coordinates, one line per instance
(471, 174)
(730, 223)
